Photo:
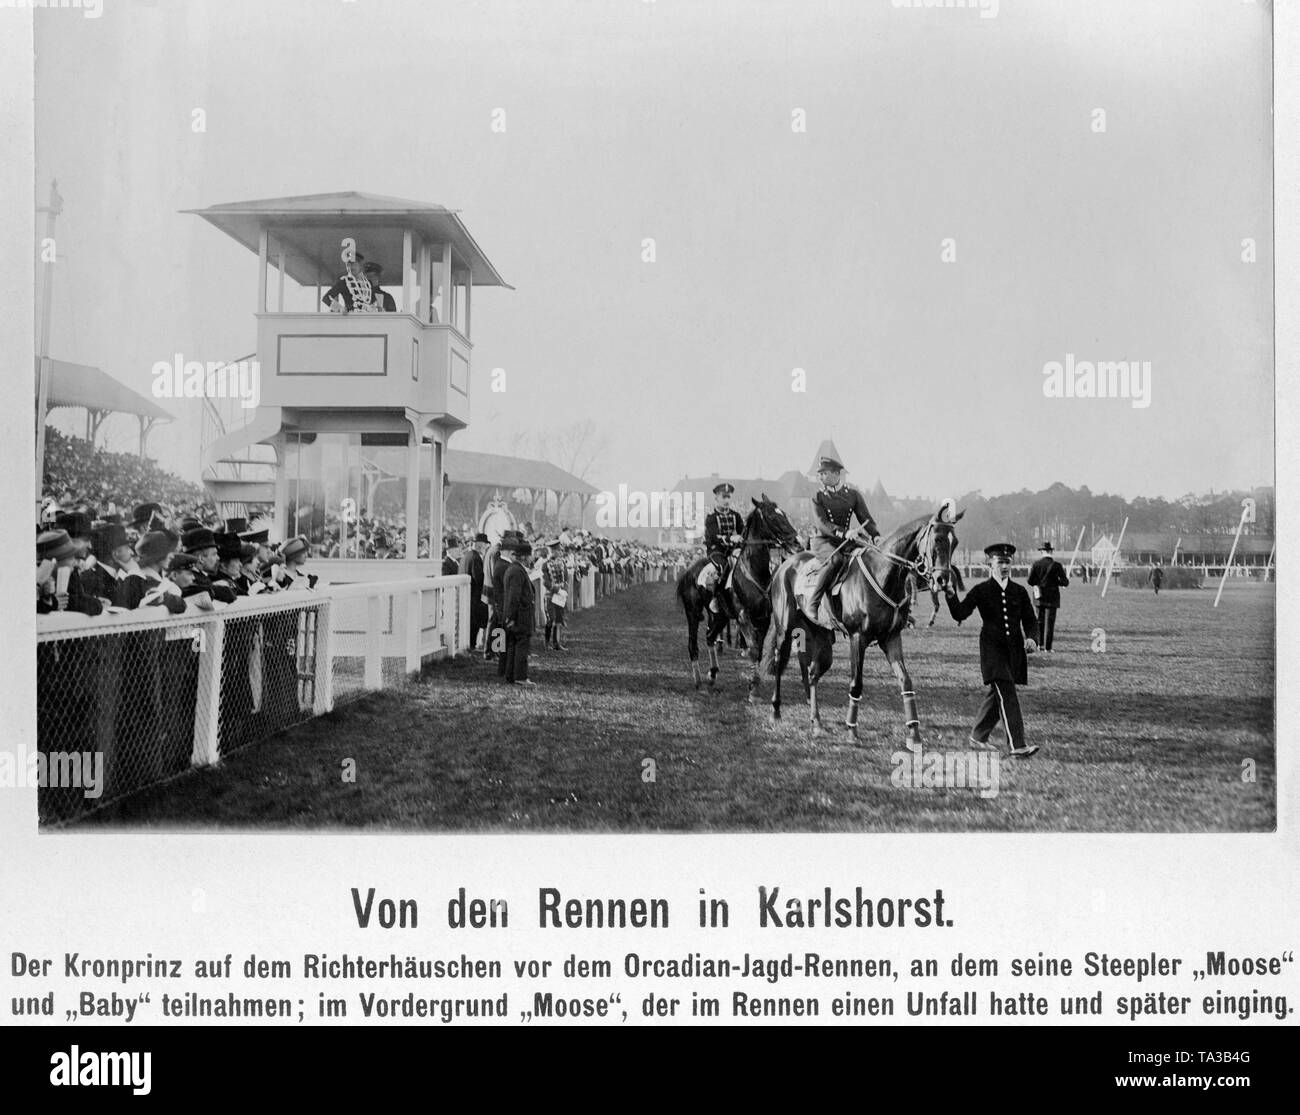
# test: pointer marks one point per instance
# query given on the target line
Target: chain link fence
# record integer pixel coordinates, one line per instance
(130, 700)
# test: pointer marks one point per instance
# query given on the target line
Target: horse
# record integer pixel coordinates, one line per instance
(874, 607)
(748, 601)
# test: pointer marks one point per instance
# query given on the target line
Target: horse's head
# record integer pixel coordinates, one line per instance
(937, 543)
(768, 523)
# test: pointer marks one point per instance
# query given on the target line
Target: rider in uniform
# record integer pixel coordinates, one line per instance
(722, 530)
(836, 506)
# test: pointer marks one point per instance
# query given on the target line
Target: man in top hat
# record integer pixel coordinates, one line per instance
(1006, 639)
(1046, 578)
(517, 606)
(836, 505)
(451, 556)
(723, 529)
(497, 562)
(471, 564)
(201, 544)
(228, 581)
(111, 559)
(374, 273)
(147, 517)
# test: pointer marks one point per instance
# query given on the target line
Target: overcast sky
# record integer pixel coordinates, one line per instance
(775, 249)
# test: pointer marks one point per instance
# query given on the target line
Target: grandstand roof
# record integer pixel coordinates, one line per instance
(82, 385)
(492, 470)
(308, 227)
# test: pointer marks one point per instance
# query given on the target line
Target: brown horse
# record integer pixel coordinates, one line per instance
(874, 607)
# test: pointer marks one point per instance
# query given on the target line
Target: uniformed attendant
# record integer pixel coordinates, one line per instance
(1007, 612)
(836, 506)
(1047, 577)
(723, 529)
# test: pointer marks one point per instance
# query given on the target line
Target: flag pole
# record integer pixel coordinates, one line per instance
(1110, 567)
(1076, 550)
(1231, 553)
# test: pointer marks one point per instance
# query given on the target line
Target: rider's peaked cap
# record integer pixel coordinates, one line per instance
(724, 489)
(829, 464)
(1000, 549)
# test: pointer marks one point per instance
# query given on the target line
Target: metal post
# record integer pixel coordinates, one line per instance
(374, 676)
(210, 637)
(47, 304)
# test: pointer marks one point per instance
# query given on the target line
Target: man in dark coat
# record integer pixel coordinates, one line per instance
(1047, 577)
(471, 564)
(1156, 577)
(1007, 612)
(498, 563)
(517, 605)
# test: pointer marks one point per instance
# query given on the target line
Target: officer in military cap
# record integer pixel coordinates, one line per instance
(1006, 639)
(722, 530)
(836, 506)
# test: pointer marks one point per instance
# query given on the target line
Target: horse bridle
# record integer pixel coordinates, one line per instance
(921, 566)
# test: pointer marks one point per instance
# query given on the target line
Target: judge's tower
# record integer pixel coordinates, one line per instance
(358, 407)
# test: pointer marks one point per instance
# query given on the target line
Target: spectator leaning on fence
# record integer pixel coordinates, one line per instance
(58, 581)
(147, 586)
(292, 575)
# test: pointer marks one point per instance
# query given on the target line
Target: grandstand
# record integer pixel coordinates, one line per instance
(78, 472)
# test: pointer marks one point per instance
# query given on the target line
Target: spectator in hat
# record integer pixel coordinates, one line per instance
(292, 575)
(471, 564)
(1007, 637)
(186, 572)
(517, 604)
(1046, 579)
(249, 571)
(147, 517)
(227, 580)
(451, 557)
(110, 556)
(146, 585)
(497, 562)
(555, 586)
(58, 581)
(374, 272)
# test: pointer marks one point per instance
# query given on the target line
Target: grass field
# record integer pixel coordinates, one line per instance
(1149, 735)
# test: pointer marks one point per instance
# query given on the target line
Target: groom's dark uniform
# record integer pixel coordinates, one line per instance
(1008, 619)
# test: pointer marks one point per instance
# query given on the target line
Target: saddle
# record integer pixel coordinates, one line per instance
(805, 582)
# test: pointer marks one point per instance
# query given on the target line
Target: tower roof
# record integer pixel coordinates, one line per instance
(309, 228)
(825, 449)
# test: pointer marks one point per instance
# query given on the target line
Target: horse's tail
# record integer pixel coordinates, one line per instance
(684, 585)
(776, 629)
